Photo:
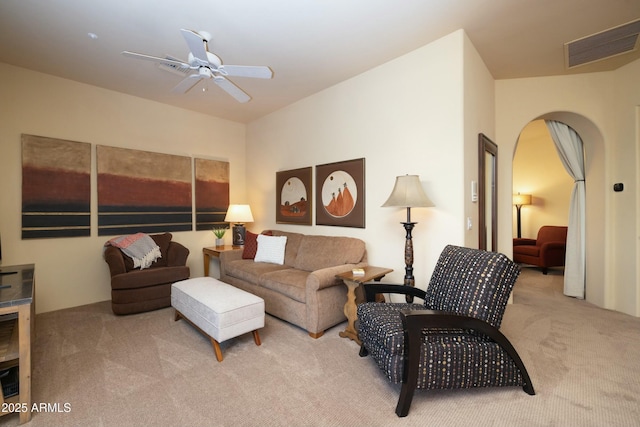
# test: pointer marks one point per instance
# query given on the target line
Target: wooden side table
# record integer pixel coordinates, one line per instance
(214, 251)
(350, 308)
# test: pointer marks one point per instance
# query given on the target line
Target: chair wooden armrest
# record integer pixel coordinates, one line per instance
(374, 288)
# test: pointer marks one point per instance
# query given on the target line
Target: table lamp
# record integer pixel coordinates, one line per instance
(239, 215)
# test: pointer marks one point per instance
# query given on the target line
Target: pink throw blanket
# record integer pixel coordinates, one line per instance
(140, 247)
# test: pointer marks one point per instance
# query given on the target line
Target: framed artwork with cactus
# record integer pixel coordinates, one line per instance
(340, 194)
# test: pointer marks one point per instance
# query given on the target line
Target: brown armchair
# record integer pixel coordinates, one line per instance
(548, 250)
(135, 290)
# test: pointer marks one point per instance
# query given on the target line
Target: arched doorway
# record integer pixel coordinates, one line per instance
(595, 291)
(538, 172)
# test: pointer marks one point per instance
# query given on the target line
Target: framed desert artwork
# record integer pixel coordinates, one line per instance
(56, 188)
(293, 196)
(141, 191)
(340, 194)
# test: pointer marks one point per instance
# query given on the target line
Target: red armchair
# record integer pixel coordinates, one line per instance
(548, 250)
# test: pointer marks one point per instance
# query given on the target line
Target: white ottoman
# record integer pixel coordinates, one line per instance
(217, 309)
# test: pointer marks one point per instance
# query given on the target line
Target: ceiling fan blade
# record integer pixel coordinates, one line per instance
(258, 72)
(171, 62)
(187, 84)
(174, 68)
(196, 45)
(232, 89)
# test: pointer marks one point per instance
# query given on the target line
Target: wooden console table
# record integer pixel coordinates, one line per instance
(214, 251)
(350, 308)
(17, 308)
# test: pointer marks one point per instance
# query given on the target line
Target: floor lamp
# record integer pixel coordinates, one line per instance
(408, 193)
(520, 200)
(238, 214)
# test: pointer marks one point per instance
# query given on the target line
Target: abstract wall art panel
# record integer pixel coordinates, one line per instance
(140, 191)
(56, 187)
(212, 193)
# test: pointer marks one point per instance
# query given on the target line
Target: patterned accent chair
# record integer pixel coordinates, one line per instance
(452, 340)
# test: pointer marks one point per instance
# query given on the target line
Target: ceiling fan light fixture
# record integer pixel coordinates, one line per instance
(205, 72)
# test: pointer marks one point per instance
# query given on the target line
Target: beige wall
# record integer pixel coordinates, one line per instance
(405, 117)
(479, 117)
(602, 108)
(417, 114)
(537, 170)
(71, 271)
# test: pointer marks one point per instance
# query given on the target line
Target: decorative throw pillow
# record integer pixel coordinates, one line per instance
(271, 249)
(251, 244)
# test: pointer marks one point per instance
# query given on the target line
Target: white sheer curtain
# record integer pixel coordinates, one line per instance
(569, 147)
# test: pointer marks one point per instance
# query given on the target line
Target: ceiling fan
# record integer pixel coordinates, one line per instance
(204, 65)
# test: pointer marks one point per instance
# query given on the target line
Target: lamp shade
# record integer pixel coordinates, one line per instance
(408, 193)
(239, 214)
(521, 199)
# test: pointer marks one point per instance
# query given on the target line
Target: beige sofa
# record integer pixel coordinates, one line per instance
(304, 290)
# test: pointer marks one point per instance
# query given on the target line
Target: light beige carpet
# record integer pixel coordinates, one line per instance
(147, 369)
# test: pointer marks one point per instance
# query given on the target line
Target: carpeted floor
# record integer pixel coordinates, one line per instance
(146, 369)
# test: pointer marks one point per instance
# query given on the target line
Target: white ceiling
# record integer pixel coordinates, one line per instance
(309, 44)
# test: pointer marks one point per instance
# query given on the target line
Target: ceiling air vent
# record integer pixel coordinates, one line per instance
(599, 46)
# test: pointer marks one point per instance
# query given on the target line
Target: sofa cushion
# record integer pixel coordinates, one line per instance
(290, 282)
(271, 249)
(527, 250)
(251, 244)
(250, 271)
(293, 243)
(149, 277)
(316, 252)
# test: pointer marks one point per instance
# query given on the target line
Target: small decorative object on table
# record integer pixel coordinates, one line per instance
(219, 233)
(357, 271)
